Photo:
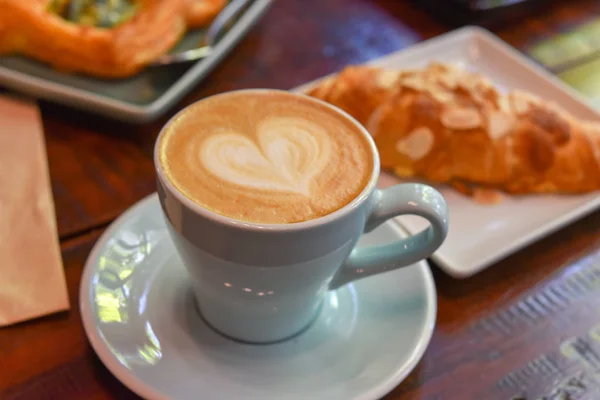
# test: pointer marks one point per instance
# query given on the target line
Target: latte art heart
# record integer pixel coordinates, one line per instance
(288, 154)
(266, 156)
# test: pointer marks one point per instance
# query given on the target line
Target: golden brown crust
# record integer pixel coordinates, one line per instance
(357, 90)
(27, 27)
(445, 124)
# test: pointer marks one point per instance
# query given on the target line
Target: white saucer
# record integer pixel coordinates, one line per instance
(138, 313)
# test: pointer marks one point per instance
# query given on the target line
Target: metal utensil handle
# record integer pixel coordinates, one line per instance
(231, 11)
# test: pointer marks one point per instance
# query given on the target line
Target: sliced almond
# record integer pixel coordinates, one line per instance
(449, 80)
(520, 105)
(521, 102)
(372, 123)
(504, 104)
(478, 98)
(467, 85)
(461, 119)
(500, 124)
(484, 83)
(387, 78)
(414, 83)
(441, 96)
(417, 144)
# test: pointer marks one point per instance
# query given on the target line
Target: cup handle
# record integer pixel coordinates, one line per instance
(408, 198)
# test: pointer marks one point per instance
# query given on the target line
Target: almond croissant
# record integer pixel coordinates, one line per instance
(445, 124)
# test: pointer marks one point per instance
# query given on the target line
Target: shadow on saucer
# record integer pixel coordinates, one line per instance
(217, 344)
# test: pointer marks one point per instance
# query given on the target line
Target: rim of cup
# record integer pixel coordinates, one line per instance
(257, 226)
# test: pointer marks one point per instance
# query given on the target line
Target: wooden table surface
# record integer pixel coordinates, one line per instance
(528, 325)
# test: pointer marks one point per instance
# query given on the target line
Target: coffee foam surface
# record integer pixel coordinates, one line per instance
(267, 157)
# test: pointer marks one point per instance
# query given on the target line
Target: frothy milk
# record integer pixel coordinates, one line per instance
(265, 156)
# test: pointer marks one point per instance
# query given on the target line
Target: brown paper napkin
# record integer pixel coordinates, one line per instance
(32, 281)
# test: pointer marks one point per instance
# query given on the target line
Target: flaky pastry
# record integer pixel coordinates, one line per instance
(448, 125)
(32, 28)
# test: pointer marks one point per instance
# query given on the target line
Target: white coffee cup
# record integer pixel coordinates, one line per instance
(262, 283)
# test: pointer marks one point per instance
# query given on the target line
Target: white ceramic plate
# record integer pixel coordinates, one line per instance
(481, 235)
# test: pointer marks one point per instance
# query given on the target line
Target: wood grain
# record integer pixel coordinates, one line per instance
(521, 310)
(97, 168)
(527, 326)
(50, 358)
